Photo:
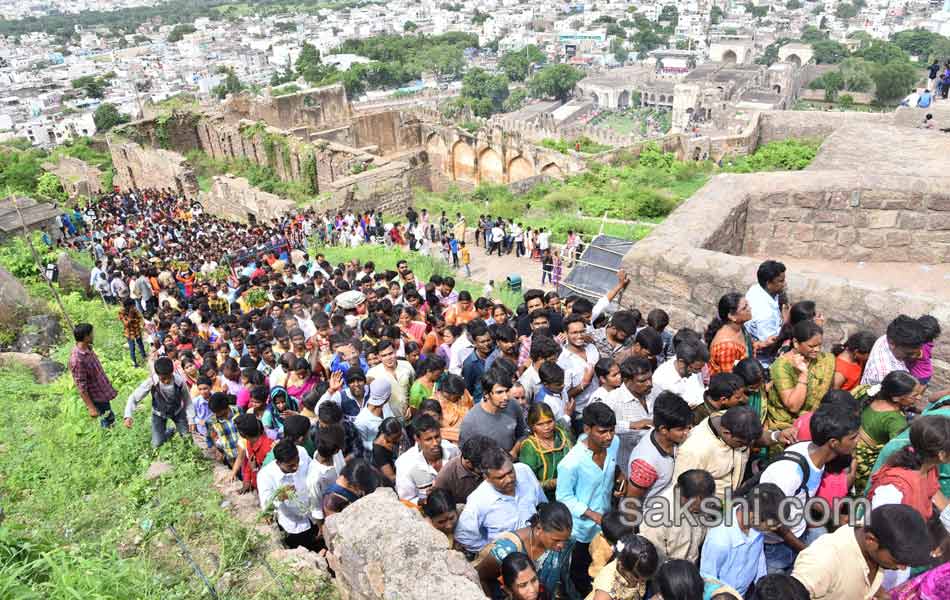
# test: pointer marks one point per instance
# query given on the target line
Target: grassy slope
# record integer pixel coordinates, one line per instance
(81, 519)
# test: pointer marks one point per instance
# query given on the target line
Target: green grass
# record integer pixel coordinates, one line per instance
(82, 521)
(634, 121)
(639, 190)
(422, 266)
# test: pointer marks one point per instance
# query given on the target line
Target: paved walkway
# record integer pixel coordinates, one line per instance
(486, 268)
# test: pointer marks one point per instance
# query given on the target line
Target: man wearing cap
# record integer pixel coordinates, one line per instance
(373, 412)
(171, 400)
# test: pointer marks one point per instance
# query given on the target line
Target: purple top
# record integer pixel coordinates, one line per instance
(923, 367)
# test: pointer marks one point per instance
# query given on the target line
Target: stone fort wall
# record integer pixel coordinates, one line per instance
(696, 255)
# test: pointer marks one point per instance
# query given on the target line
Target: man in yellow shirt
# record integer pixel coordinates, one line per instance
(849, 564)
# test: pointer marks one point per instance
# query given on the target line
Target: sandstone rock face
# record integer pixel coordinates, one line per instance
(15, 302)
(380, 549)
(73, 277)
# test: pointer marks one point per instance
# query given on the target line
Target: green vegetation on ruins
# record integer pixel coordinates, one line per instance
(582, 144)
(637, 192)
(21, 165)
(82, 521)
(262, 177)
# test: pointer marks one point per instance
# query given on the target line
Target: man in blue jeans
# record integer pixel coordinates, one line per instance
(171, 400)
(834, 430)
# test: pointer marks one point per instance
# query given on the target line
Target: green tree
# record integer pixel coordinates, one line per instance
(863, 37)
(793, 5)
(310, 67)
(230, 85)
(893, 81)
(50, 188)
(92, 86)
(922, 43)
(515, 100)
(483, 92)
(670, 14)
(882, 53)
(517, 64)
(646, 40)
(715, 15)
(833, 83)
(554, 81)
(813, 34)
(478, 18)
(180, 31)
(770, 55)
(616, 31)
(828, 52)
(409, 26)
(845, 100)
(846, 11)
(108, 116)
(620, 52)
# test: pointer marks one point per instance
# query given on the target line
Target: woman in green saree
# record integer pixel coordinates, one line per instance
(800, 378)
(545, 447)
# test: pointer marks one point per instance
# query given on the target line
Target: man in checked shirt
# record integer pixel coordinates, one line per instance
(94, 386)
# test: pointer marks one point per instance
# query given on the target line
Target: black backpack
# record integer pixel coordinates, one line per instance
(746, 486)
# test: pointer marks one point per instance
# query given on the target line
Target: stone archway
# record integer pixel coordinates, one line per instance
(729, 56)
(520, 168)
(794, 59)
(777, 89)
(490, 168)
(595, 99)
(463, 163)
(552, 170)
(436, 151)
(624, 100)
(662, 99)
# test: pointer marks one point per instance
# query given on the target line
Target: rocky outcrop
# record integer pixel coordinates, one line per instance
(73, 276)
(380, 549)
(44, 370)
(15, 303)
(40, 335)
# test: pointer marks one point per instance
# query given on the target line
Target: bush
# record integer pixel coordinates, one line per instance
(787, 155)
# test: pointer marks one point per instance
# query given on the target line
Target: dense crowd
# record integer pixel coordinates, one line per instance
(569, 450)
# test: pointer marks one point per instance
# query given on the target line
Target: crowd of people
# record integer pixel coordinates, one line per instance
(567, 449)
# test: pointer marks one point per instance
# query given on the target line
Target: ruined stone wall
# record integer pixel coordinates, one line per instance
(387, 188)
(689, 261)
(852, 221)
(777, 125)
(316, 107)
(390, 131)
(79, 178)
(141, 167)
(235, 198)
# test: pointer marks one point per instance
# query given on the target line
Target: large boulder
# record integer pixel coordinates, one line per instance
(73, 276)
(44, 370)
(40, 334)
(380, 549)
(16, 304)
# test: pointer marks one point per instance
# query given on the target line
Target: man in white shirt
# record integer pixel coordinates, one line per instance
(376, 409)
(632, 404)
(282, 485)
(767, 314)
(683, 376)
(543, 240)
(418, 466)
(578, 359)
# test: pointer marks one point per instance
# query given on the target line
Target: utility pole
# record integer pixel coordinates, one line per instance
(39, 265)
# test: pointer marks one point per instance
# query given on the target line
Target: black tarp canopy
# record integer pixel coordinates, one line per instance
(596, 272)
